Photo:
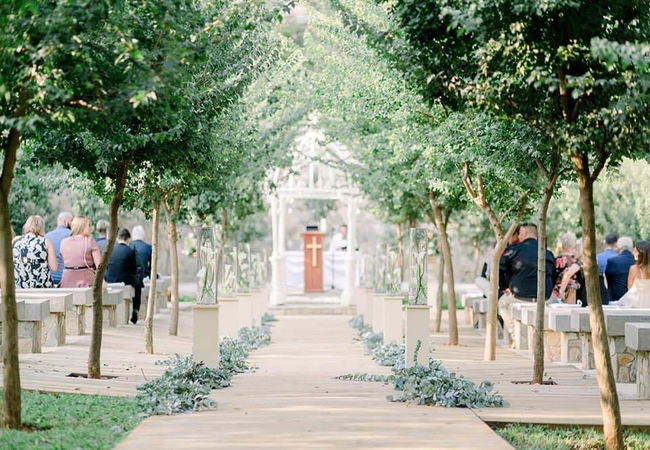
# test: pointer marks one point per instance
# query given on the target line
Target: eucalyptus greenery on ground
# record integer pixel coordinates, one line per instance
(186, 385)
(425, 385)
(266, 318)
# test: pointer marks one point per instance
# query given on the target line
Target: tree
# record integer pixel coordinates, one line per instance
(139, 97)
(41, 59)
(577, 72)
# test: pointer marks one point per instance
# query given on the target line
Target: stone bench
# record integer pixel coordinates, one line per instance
(637, 338)
(467, 301)
(623, 358)
(555, 337)
(162, 284)
(82, 298)
(123, 311)
(110, 301)
(480, 308)
(520, 331)
(31, 315)
(559, 321)
(54, 329)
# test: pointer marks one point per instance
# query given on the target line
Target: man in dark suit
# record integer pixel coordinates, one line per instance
(618, 268)
(124, 267)
(518, 274)
(143, 249)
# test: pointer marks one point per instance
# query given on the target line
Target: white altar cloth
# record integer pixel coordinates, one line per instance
(333, 267)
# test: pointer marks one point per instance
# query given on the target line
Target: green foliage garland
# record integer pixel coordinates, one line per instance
(186, 385)
(425, 385)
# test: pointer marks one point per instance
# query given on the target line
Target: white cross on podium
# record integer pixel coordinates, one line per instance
(314, 246)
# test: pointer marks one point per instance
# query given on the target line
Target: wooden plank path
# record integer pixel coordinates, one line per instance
(122, 356)
(574, 400)
(294, 401)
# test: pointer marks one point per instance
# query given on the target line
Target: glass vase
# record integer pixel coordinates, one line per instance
(228, 272)
(380, 269)
(418, 241)
(206, 275)
(244, 268)
(393, 271)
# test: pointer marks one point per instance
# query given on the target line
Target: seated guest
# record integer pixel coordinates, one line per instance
(102, 230)
(602, 258)
(57, 235)
(34, 256)
(618, 268)
(124, 267)
(80, 254)
(638, 282)
(143, 249)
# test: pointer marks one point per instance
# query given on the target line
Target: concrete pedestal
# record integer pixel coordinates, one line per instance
(378, 312)
(256, 307)
(368, 309)
(393, 319)
(228, 317)
(417, 330)
(206, 335)
(245, 309)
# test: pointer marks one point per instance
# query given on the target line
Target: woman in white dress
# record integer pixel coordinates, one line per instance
(638, 280)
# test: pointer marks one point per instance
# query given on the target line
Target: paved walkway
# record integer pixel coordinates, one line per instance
(294, 402)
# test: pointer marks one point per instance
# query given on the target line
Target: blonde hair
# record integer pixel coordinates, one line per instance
(78, 225)
(35, 225)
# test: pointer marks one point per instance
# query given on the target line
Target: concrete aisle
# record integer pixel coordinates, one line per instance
(293, 402)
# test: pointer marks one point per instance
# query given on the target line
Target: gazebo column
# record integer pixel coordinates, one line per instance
(282, 239)
(276, 260)
(348, 295)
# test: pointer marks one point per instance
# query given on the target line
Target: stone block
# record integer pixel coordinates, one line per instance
(637, 336)
(20, 309)
(552, 346)
(615, 320)
(580, 320)
(571, 348)
(36, 310)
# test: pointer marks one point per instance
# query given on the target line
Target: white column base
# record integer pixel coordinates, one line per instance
(393, 319)
(275, 297)
(245, 310)
(368, 308)
(256, 307)
(348, 296)
(228, 317)
(417, 330)
(206, 335)
(361, 301)
(378, 312)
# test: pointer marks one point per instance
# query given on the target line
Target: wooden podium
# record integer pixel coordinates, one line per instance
(313, 245)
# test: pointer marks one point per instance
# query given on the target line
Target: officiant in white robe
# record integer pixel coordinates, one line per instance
(339, 241)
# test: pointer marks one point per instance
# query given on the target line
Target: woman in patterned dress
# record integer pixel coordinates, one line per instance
(80, 255)
(34, 256)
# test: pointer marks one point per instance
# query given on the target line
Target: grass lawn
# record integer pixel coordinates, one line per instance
(72, 421)
(534, 437)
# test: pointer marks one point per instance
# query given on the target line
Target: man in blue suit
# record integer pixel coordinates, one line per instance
(124, 267)
(618, 268)
(143, 249)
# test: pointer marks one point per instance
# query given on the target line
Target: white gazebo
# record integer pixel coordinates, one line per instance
(311, 177)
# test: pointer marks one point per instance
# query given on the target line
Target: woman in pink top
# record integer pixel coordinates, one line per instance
(80, 255)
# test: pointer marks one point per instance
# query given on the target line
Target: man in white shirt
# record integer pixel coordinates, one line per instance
(340, 240)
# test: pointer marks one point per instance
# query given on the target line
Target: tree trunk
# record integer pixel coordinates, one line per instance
(94, 365)
(172, 235)
(538, 355)
(441, 224)
(11, 402)
(490, 352)
(437, 320)
(608, 395)
(151, 300)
